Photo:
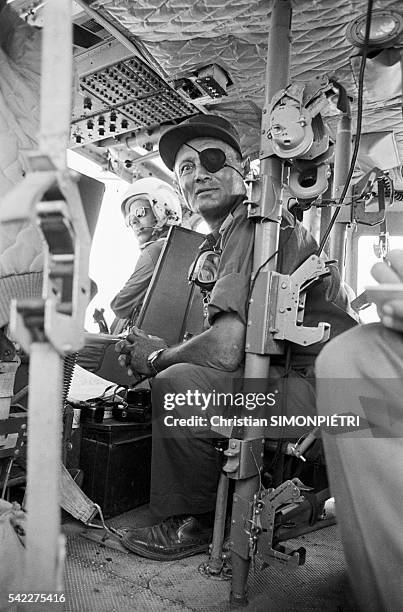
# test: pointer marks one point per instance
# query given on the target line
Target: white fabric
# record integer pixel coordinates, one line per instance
(20, 244)
(85, 385)
(11, 553)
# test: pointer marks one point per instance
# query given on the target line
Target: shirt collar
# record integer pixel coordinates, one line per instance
(210, 241)
(213, 238)
(236, 211)
(162, 234)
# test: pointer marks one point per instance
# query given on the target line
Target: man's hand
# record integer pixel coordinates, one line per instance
(135, 349)
(391, 271)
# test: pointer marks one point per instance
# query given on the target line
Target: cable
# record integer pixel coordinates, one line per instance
(359, 127)
(279, 250)
(327, 202)
(259, 471)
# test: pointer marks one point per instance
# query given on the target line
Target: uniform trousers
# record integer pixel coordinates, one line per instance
(361, 372)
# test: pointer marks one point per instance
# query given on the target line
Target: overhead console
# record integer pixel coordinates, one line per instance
(119, 94)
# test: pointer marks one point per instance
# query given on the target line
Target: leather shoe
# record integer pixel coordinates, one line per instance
(310, 515)
(176, 537)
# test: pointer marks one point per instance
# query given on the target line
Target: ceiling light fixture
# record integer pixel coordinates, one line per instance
(386, 27)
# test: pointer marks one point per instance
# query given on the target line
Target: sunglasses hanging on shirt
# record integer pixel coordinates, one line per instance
(203, 271)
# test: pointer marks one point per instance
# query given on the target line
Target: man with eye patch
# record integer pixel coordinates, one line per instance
(205, 154)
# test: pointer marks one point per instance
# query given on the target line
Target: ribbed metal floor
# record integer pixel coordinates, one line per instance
(100, 579)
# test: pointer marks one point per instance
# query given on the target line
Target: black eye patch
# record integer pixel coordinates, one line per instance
(213, 160)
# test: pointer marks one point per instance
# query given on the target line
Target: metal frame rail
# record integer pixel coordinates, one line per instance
(51, 327)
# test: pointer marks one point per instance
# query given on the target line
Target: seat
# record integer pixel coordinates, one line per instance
(170, 310)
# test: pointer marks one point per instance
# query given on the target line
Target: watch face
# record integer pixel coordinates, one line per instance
(152, 356)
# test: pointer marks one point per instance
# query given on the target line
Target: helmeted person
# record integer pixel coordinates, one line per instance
(150, 207)
(205, 154)
(360, 373)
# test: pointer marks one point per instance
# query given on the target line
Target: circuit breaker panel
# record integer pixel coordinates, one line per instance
(119, 93)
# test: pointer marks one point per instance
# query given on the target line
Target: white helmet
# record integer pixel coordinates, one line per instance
(162, 197)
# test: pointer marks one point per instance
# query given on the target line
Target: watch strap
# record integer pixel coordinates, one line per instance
(152, 359)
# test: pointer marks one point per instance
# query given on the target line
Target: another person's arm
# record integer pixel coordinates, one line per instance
(391, 271)
(131, 296)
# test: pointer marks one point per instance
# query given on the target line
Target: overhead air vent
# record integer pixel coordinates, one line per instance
(88, 32)
(92, 26)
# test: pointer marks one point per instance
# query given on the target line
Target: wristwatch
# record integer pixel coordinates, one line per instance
(152, 360)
